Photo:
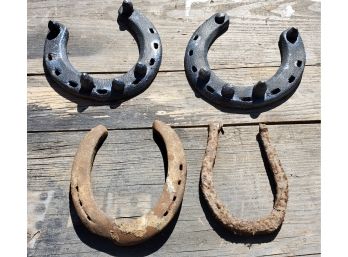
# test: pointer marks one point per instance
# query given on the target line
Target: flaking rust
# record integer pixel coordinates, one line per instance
(128, 231)
(264, 225)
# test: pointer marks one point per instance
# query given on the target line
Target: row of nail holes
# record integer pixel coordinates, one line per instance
(179, 182)
(89, 218)
(74, 84)
(155, 45)
(246, 99)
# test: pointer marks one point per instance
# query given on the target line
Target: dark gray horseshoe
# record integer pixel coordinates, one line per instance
(82, 85)
(264, 93)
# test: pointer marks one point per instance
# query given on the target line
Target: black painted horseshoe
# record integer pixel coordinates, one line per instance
(264, 93)
(82, 85)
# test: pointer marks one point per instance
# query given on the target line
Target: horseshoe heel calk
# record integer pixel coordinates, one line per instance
(128, 231)
(70, 82)
(263, 94)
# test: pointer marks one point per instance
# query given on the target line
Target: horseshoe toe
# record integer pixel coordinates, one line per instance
(128, 231)
(264, 93)
(81, 85)
(265, 225)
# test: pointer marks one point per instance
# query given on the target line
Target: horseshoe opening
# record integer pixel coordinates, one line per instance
(102, 91)
(250, 98)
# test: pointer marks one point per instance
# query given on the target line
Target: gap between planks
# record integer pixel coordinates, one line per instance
(244, 124)
(179, 70)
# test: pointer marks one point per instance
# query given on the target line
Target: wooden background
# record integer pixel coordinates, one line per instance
(128, 173)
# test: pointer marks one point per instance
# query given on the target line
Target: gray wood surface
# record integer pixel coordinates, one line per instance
(127, 184)
(129, 173)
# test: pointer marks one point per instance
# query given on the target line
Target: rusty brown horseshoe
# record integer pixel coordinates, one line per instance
(264, 225)
(128, 231)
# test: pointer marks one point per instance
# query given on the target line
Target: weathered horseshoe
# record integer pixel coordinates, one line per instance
(265, 225)
(264, 93)
(128, 231)
(82, 85)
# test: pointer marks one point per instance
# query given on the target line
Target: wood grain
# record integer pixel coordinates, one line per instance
(126, 183)
(96, 45)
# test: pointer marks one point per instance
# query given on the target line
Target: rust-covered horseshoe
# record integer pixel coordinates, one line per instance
(128, 231)
(264, 225)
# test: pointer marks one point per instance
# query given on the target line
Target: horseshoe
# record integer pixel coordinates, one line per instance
(222, 94)
(135, 81)
(128, 231)
(265, 225)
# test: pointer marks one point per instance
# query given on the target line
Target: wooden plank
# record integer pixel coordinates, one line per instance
(169, 98)
(96, 45)
(127, 180)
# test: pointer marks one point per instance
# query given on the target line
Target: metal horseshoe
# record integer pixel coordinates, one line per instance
(264, 93)
(128, 231)
(82, 85)
(265, 225)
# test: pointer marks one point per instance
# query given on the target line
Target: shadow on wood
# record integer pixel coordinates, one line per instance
(107, 246)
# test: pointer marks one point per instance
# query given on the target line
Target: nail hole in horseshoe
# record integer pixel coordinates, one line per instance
(152, 61)
(191, 52)
(155, 45)
(194, 69)
(246, 99)
(57, 71)
(72, 83)
(299, 63)
(210, 89)
(102, 91)
(291, 79)
(151, 30)
(166, 213)
(181, 167)
(89, 218)
(80, 202)
(77, 188)
(292, 35)
(179, 182)
(275, 91)
(196, 37)
(50, 57)
(174, 198)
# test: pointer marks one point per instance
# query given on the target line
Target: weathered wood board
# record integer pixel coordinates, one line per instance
(96, 44)
(126, 183)
(169, 98)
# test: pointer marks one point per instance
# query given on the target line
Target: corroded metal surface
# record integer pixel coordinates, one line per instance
(263, 94)
(69, 81)
(264, 225)
(128, 231)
